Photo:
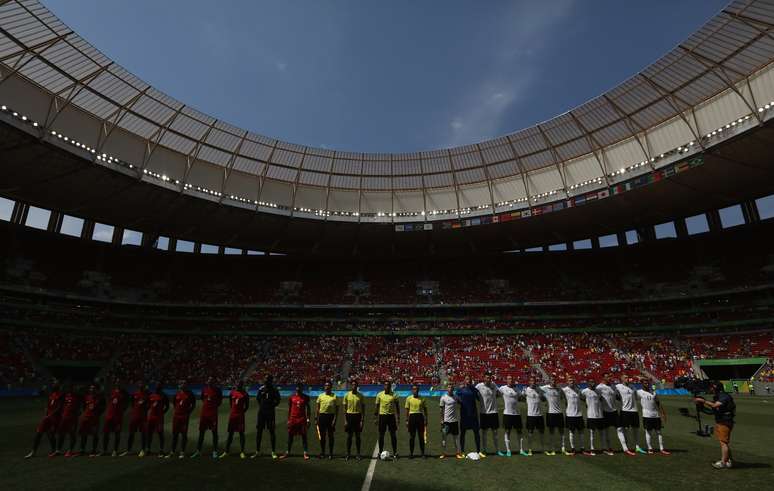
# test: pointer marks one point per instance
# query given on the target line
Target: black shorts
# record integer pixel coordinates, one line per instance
(387, 422)
(574, 423)
(353, 422)
(451, 428)
(611, 419)
(265, 421)
(535, 423)
(469, 423)
(628, 419)
(555, 420)
(416, 422)
(489, 421)
(651, 423)
(595, 423)
(512, 421)
(325, 421)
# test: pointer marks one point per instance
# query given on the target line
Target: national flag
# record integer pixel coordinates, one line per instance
(579, 200)
(537, 211)
(496, 219)
(428, 226)
(399, 228)
(475, 221)
(505, 217)
(526, 213)
(603, 194)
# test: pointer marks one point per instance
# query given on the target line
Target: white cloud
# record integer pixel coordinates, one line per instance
(525, 31)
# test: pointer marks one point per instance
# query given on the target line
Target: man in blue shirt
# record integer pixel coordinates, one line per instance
(468, 396)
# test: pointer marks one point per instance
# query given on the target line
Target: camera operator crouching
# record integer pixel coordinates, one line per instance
(723, 408)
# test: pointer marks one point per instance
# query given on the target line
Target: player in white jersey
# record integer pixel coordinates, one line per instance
(595, 420)
(608, 396)
(534, 397)
(554, 417)
(652, 412)
(628, 418)
(488, 411)
(450, 424)
(573, 416)
(511, 416)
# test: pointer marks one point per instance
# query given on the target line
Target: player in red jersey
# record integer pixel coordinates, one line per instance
(212, 396)
(158, 405)
(93, 405)
(240, 402)
(114, 417)
(68, 423)
(137, 418)
(185, 402)
(49, 423)
(299, 410)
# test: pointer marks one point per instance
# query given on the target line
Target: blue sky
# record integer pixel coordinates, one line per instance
(368, 75)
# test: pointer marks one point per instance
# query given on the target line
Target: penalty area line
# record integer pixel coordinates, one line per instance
(371, 467)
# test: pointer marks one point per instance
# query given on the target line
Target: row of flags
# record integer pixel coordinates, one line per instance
(579, 200)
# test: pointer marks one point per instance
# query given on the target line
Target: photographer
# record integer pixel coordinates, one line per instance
(724, 409)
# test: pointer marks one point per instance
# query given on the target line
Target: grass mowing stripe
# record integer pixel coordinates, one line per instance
(371, 467)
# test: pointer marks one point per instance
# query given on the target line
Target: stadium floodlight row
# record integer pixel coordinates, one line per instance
(713, 86)
(467, 407)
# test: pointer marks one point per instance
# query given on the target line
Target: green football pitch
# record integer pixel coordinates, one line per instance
(687, 468)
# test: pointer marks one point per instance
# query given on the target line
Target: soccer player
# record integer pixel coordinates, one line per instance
(554, 417)
(93, 405)
(468, 396)
(48, 425)
(354, 411)
(511, 415)
(534, 397)
(298, 419)
(185, 402)
(212, 397)
(114, 418)
(608, 398)
(573, 417)
(488, 391)
(387, 417)
(268, 398)
(68, 423)
(326, 415)
(158, 405)
(240, 403)
(652, 412)
(449, 422)
(629, 418)
(416, 420)
(595, 420)
(137, 418)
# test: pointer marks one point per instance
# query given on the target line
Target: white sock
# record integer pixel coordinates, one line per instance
(660, 440)
(521, 441)
(636, 436)
(457, 443)
(572, 440)
(507, 439)
(494, 439)
(443, 442)
(591, 440)
(563, 440)
(647, 440)
(622, 439)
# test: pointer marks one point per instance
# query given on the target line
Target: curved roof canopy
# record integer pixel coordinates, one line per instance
(718, 75)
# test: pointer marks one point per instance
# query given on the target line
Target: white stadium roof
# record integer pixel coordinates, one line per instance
(719, 75)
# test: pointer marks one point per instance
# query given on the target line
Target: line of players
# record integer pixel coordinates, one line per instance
(467, 407)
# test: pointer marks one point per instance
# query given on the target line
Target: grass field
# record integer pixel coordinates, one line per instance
(688, 467)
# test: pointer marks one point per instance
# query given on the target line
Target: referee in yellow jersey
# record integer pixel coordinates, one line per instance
(353, 417)
(416, 416)
(327, 412)
(387, 416)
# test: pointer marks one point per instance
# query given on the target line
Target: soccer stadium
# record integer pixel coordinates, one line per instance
(586, 302)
